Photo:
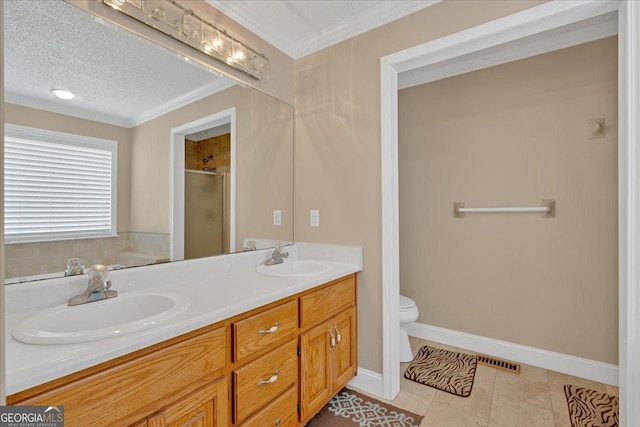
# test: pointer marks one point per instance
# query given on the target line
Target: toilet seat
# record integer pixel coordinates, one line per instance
(406, 304)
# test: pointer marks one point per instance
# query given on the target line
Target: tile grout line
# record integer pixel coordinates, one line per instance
(493, 395)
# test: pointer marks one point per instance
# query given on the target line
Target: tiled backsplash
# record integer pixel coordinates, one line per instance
(29, 259)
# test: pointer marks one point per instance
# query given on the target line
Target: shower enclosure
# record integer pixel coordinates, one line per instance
(206, 213)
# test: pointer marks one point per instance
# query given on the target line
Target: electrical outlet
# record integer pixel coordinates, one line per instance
(277, 217)
(315, 218)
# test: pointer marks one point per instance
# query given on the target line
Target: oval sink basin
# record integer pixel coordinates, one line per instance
(295, 269)
(101, 319)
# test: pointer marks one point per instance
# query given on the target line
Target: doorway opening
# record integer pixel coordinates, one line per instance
(203, 187)
(206, 194)
(442, 52)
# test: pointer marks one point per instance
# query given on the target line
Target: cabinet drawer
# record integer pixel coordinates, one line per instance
(326, 302)
(282, 412)
(250, 383)
(256, 333)
(135, 388)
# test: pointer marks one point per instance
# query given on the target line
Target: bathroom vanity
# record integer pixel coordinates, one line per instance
(276, 364)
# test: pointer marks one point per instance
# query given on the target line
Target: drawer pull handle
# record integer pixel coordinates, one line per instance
(194, 419)
(332, 343)
(278, 421)
(270, 330)
(338, 335)
(271, 380)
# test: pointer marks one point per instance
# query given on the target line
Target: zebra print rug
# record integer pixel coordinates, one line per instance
(590, 408)
(351, 409)
(442, 369)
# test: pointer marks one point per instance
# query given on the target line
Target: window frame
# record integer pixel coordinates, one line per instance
(12, 131)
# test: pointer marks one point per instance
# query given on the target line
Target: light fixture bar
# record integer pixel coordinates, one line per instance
(183, 25)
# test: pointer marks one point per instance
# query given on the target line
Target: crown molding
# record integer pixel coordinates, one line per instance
(195, 95)
(53, 107)
(376, 17)
(246, 17)
(549, 41)
(110, 119)
(382, 14)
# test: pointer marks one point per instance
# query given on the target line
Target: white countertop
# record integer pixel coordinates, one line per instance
(218, 288)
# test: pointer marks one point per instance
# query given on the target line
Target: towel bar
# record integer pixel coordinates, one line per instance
(547, 209)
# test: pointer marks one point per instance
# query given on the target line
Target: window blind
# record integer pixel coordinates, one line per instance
(57, 186)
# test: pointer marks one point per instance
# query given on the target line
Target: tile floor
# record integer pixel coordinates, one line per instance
(498, 399)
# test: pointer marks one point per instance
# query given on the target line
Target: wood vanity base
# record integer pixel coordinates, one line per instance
(278, 365)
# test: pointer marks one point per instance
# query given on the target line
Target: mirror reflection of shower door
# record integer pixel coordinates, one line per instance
(205, 214)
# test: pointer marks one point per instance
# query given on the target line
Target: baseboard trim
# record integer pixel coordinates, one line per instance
(368, 381)
(571, 365)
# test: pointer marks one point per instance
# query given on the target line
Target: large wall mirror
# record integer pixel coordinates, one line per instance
(202, 165)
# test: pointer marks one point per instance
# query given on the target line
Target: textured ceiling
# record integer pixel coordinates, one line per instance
(124, 80)
(119, 78)
(301, 27)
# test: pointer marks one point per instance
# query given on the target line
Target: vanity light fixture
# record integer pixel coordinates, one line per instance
(63, 94)
(179, 23)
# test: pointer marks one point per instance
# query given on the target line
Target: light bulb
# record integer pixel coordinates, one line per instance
(63, 94)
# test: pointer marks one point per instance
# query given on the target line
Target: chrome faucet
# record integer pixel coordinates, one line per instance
(277, 256)
(97, 288)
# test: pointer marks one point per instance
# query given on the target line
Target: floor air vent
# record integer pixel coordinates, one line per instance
(501, 364)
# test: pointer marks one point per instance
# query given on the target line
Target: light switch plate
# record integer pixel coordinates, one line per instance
(277, 217)
(315, 218)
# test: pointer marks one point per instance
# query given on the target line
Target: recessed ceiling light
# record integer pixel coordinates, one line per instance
(63, 94)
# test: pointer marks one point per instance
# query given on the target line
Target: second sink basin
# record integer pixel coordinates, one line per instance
(300, 268)
(102, 319)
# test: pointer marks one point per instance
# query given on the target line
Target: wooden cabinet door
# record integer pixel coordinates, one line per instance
(206, 407)
(202, 416)
(343, 356)
(315, 369)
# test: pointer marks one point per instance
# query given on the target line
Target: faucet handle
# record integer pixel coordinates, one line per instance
(98, 272)
(75, 266)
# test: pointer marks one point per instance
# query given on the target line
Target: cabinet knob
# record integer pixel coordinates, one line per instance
(278, 422)
(270, 330)
(271, 379)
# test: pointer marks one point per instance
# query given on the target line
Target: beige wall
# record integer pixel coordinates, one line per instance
(513, 135)
(338, 142)
(264, 164)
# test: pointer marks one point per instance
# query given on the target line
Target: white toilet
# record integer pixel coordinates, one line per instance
(408, 314)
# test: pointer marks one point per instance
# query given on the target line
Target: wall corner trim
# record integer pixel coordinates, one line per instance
(368, 381)
(559, 362)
